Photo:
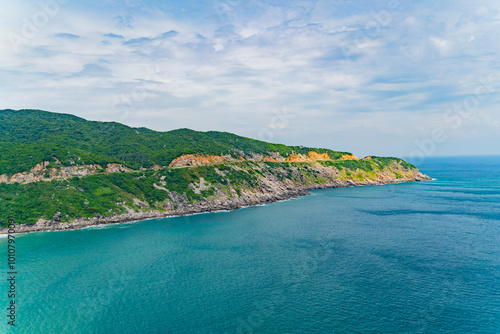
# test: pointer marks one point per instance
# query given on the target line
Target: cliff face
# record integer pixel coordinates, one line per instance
(108, 172)
(349, 157)
(230, 186)
(42, 172)
(193, 160)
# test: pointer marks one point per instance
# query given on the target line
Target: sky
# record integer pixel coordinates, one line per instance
(394, 78)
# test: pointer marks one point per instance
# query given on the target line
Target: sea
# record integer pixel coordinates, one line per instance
(419, 257)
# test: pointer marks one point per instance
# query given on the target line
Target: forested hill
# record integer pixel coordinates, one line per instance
(28, 137)
(60, 171)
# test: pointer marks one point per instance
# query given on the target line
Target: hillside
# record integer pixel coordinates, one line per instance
(28, 137)
(61, 172)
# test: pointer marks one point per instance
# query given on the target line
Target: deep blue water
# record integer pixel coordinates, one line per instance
(408, 258)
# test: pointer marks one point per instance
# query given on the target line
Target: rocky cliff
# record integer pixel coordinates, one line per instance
(45, 171)
(254, 183)
(64, 172)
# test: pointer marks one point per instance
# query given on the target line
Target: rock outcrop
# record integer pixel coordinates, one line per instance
(115, 168)
(311, 156)
(192, 160)
(315, 156)
(41, 172)
(269, 159)
(269, 188)
(295, 158)
(349, 157)
(57, 217)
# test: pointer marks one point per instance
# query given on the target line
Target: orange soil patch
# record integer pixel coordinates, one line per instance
(349, 157)
(315, 156)
(269, 159)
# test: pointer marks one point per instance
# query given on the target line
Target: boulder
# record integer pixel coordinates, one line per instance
(57, 217)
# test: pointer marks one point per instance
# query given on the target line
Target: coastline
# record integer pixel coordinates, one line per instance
(262, 196)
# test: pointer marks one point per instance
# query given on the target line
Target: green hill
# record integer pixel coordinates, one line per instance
(28, 137)
(60, 193)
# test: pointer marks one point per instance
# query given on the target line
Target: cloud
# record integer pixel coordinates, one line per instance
(111, 35)
(124, 21)
(347, 70)
(92, 70)
(444, 46)
(65, 35)
(142, 40)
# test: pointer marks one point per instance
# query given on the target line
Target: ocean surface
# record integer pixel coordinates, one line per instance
(409, 258)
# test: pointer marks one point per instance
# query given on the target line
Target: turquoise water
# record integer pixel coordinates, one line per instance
(407, 258)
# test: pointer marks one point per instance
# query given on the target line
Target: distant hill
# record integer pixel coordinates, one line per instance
(28, 137)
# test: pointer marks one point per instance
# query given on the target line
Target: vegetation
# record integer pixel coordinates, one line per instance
(28, 137)
(107, 194)
(378, 163)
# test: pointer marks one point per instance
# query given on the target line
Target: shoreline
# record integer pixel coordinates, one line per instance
(208, 206)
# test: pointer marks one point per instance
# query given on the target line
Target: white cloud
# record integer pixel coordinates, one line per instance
(228, 72)
(444, 46)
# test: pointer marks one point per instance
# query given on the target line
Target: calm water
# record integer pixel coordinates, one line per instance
(409, 258)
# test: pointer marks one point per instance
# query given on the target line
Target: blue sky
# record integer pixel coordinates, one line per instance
(401, 78)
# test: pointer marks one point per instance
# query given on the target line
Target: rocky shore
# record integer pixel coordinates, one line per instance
(272, 191)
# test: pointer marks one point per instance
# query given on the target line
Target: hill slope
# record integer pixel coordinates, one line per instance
(28, 137)
(63, 172)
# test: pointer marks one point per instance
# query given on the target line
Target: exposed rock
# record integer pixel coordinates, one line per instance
(140, 203)
(41, 172)
(276, 156)
(295, 158)
(315, 156)
(168, 206)
(270, 189)
(57, 217)
(311, 156)
(160, 187)
(201, 186)
(349, 157)
(191, 160)
(115, 168)
(277, 183)
(270, 159)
